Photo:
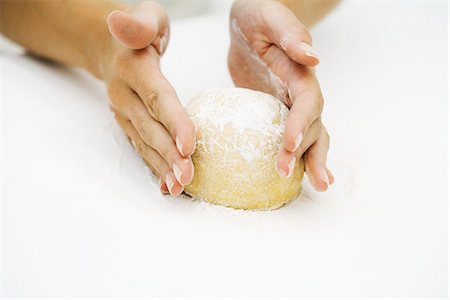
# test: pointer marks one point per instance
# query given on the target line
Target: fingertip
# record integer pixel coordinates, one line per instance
(285, 163)
(321, 186)
(177, 189)
(186, 141)
(191, 167)
(129, 30)
(312, 58)
(330, 176)
(317, 174)
(113, 21)
(308, 60)
(280, 170)
(302, 53)
(112, 15)
(163, 187)
(173, 186)
(311, 61)
(302, 58)
(319, 183)
(183, 171)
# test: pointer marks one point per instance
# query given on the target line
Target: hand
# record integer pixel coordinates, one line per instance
(145, 104)
(271, 51)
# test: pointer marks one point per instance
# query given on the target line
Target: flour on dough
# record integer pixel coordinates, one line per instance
(239, 132)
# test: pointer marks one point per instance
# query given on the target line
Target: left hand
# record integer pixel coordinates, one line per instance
(271, 51)
(145, 104)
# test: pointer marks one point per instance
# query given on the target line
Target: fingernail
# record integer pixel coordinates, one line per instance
(162, 44)
(179, 145)
(192, 172)
(112, 13)
(298, 141)
(162, 187)
(325, 176)
(169, 183)
(282, 173)
(309, 50)
(133, 143)
(188, 161)
(195, 145)
(330, 174)
(177, 172)
(291, 166)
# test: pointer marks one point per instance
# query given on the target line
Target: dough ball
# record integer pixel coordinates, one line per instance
(239, 132)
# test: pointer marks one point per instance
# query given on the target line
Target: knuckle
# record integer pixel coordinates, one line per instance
(140, 147)
(151, 98)
(151, 167)
(145, 132)
(169, 126)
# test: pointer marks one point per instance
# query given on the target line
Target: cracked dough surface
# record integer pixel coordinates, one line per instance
(238, 136)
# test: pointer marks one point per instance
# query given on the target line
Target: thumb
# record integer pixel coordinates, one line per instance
(140, 26)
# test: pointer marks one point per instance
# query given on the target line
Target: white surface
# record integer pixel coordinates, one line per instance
(81, 217)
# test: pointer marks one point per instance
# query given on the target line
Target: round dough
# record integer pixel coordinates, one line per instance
(239, 132)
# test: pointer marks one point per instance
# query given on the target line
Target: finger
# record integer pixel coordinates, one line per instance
(310, 138)
(155, 161)
(330, 176)
(306, 109)
(285, 162)
(288, 33)
(157, 137)
(315, 163)
(163, 187)
(162, 103)
(286, 159)
(140, 26)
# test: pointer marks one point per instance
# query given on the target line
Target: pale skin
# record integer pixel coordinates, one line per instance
(123, 45)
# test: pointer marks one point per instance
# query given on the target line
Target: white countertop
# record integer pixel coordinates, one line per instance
(82, 217)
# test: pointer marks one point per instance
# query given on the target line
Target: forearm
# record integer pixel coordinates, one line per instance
(309, 12)
(72, 32)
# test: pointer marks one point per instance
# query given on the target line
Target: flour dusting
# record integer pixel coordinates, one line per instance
(243, 110)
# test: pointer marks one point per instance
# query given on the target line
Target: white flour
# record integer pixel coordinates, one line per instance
(243, 110)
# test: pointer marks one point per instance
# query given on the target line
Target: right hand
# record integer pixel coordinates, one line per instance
(271, 51)
(145, 104)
